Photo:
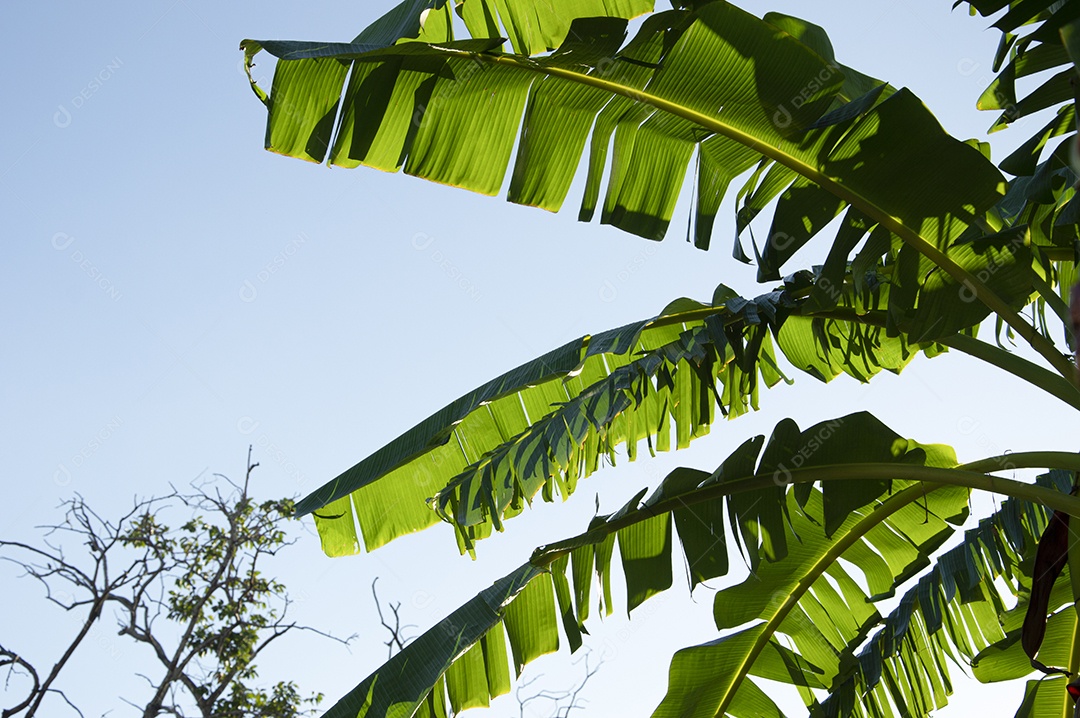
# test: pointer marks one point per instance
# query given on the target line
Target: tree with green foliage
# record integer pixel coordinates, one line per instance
(930, 241)
(194, 594)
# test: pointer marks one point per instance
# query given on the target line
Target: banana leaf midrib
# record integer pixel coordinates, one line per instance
(854, 534)
(968, 475)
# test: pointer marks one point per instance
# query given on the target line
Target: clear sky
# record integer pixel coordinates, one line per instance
(174, 293)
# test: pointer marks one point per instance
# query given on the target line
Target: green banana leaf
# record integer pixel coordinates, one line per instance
(1039, 48)
(808, 612)
(543, 426)
(1040, 37)
(534, 28)
(739, 90)
(1036, 38)
(389, 490)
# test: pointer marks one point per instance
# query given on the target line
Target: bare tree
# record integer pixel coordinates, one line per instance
(193, 594)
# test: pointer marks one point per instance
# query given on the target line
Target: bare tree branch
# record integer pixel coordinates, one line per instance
(397, 637)
(14, 662)
(562, 702)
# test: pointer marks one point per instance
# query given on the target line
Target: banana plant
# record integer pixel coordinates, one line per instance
(932, 240)
(884, 505)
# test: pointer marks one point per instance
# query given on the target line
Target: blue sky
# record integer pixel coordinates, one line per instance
(176, 293)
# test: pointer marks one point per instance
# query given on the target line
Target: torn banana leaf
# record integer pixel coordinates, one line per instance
(735, 89)
(545, 425)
